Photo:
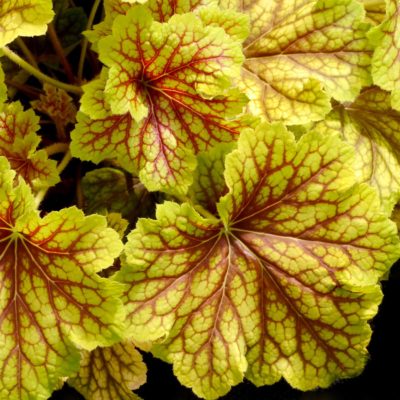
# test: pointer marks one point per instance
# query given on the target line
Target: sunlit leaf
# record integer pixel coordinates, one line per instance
(375, 11)
(110, 373)
(385, 61)
(23, 18)
(281, 286)
(166, 98)
(19, 142)
(373, 128)
(299, 54)
(52, 302)
(208, 181)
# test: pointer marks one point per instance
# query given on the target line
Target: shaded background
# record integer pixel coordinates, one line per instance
(380, 379)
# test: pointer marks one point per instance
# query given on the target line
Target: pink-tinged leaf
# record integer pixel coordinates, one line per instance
(373, 128)
(166, 96)
(52, 301)
(110, 373)
(299, 54)
(282, 285)
(19, 142)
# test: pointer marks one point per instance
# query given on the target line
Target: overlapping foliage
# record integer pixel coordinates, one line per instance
(246, 154)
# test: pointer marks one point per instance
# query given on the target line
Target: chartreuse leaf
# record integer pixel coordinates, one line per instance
(375, 11)
(51, 299)
(23, 18)
(167, 97)
(299, 54)
(105, 189)
(385, 61)
(281, 286)
(373, 128)
(161, 10)
(110, 373)
(19, 142)
(119, 224)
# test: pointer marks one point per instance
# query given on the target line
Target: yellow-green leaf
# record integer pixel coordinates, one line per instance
(299, 54)
(24, 18)
(110, 373)
(167, 97)
(19, 142)
(161, 10)
(375, 11)
(52, 301)
(282, 285)
(385, 61)
(373, 128)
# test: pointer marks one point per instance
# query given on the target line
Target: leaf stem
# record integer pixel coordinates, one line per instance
(85, 41)
(27, 53)
(64, 162)
(56, 148)
(38, 74)
(28, 90)
(55, 41)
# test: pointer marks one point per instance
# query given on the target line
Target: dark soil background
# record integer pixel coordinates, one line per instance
(379, 381)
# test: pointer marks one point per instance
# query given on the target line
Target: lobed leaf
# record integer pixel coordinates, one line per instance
(24, 18)
(19, 142)
(161, 11)
(110, 373)
(167, 97)
(300, 54)
(385, 61)
(105, 190)
(52, 302)
(375, 11)
(372, 127)
(57, 104)
(281, 286)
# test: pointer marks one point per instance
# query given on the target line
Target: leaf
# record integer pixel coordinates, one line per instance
(161, 11)
(19, 142)
(57, 104)
(110, 373)
(281, 286)
(70, 22)
(385, 61)
(208, 181)
(234, 24)
(51, 299)
(93, 102)
(24, 18)
(373, 128)
(119, 224)
(160, 116)
(299, 54)
(376, 11)
(105, 189)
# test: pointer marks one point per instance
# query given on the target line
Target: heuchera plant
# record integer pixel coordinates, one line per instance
(229, 170)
